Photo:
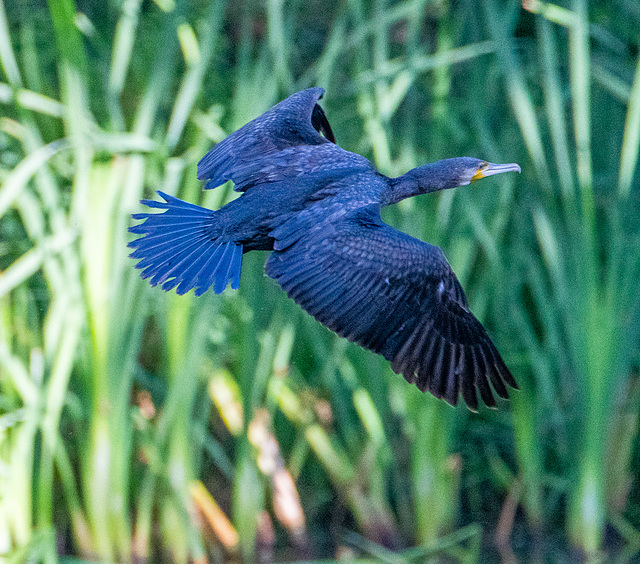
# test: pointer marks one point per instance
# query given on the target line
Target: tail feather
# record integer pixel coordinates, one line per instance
(158, 242)
(175, 264)
(190, 277)
(229, 267)
(205, 277)
(174, 204)
(158, 259)
(168, 222)
(236, 267)
(179, 247)
(222, 270)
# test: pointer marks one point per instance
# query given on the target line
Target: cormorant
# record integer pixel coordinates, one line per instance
(317, 207)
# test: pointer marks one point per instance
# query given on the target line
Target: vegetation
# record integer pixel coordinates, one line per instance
(141, 426)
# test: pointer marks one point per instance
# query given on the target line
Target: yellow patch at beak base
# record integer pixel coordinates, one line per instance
(478, 175)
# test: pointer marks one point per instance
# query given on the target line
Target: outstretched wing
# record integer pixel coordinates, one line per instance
(297, 120)
(394, 295)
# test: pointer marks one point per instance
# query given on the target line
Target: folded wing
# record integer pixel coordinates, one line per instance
(394, 295)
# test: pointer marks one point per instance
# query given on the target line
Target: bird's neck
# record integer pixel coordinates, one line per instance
(427, 178)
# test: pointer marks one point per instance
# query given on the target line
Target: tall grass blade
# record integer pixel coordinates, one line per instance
(631, 138)
(123, 42)
(555, 107)
(278, 43)
(581, 98)
(519, 96)
(7, 56)
(197, 67)
(29, 263)
(17, 180)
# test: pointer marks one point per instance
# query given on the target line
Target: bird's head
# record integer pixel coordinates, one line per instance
(462, 171)
(478, 169)
(451, 173)
(444, 174)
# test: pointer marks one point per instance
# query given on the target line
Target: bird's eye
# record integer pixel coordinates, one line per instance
(480, 172)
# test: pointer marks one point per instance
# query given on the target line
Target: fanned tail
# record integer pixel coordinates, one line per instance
(179, 248)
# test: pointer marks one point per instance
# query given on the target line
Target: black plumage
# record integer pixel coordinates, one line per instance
(317, 207)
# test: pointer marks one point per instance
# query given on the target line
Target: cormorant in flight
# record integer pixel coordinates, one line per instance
(317, 208)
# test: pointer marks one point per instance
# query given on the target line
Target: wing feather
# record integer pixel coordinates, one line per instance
(295, 121)
(394, 295)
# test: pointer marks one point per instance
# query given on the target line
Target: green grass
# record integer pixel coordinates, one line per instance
(136, 424)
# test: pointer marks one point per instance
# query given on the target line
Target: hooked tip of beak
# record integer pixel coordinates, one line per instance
(490, 169)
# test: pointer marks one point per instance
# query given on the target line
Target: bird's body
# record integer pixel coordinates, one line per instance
(317, 207)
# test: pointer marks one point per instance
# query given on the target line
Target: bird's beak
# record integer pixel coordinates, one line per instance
(489, 169)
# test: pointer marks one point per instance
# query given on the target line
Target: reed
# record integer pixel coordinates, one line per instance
(141, 426)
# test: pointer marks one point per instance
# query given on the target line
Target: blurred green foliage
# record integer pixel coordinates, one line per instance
(141, 426)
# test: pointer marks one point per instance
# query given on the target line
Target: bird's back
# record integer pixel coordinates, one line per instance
(283, 196)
